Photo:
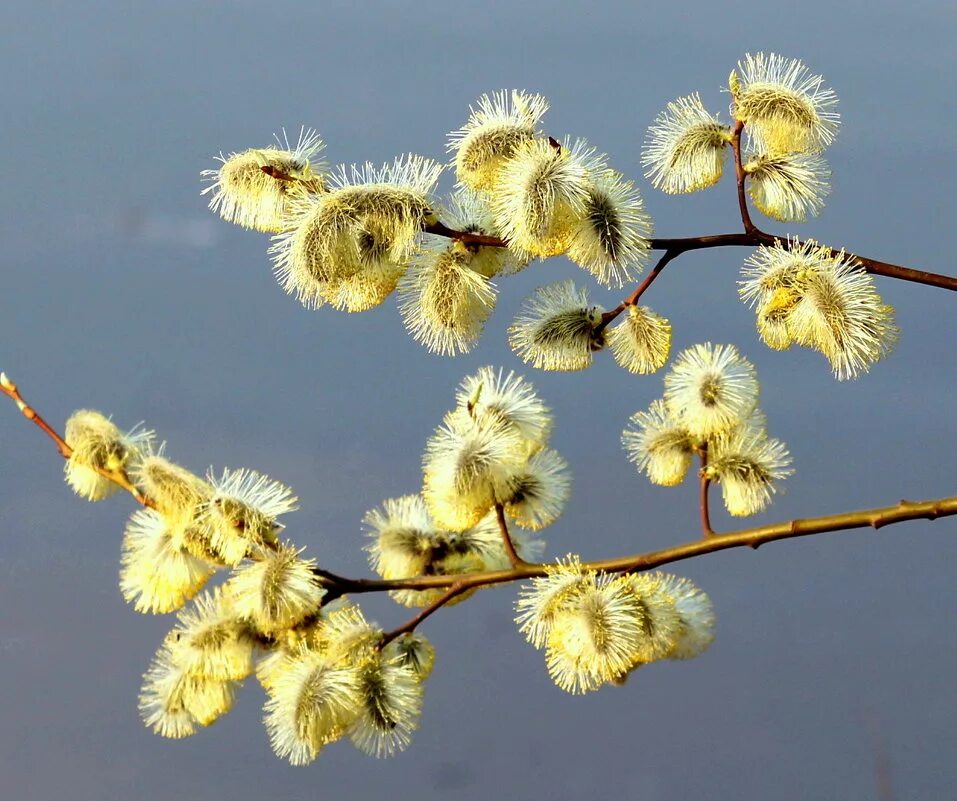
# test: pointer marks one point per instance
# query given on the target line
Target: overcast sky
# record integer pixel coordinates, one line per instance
(120, 291)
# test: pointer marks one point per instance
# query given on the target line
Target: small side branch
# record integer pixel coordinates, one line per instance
(740, 175)
(704, 483)
(513, 556)
(453, 591)
(635, 296)
(8, 388)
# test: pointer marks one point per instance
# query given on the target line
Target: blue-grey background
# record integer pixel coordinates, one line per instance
(120, 291)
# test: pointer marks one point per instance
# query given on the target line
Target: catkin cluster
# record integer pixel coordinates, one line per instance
(349, 237)
(710, 408)
(596, 628)
(325, 669)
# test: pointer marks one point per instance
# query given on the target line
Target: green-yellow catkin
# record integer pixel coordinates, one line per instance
(157, 573)
(257, 188)
(658, 445)
(412, 650)
(491, 396)
(243, 513)
(277, 592)
(496, 128)
(173, 702)
(210, 640)
(539, 603)
(596, 636)
(390, 704)
(660, 621)
(788, 187)
(539, 490)
(613, 233)
(349, 246)
(540, 196)
(810, 295)
(556, 328)
(176, 491)
(685, 147)
(695, 615)
(444, 301)
(747, 465)
(785, 107)
(466, 468)
(98, 445)
(641, 342)
(710, 389)
(309, 704)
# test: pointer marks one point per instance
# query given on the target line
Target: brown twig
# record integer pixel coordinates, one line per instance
(513, 556)
(704, 482)
(635, 296)
(740, 175)
(456, 589)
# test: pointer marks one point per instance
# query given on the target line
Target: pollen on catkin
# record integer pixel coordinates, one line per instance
(539, 490)
(660, 621)
(412, 650)
(173, 702)
(444, 301)
(176, 491)
(256, 188)
(156, 573)
(695, 614)
(788, 187)
(785, 106)
(641, 342)
(491, 395)
(747, 465)
(496, 128)
(611, 240)
(539, 603)
(390, 696)
(467, 468)
(210, 641)
(276, 592)
(349, 246)
(556, 328)
(540, 197)
(685, 147)
(808, 294)
(595, 636)
(710, 389)
(97, 444)
(309, 704)
(243, 512)
(658, 445)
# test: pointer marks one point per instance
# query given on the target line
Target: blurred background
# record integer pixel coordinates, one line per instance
(832, 673)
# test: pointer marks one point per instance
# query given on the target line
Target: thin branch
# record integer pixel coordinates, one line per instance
(8, 388)
(751, 538)
(635, 296)
(704, 483)
(456, 589)
(740, 175)
(513, 556)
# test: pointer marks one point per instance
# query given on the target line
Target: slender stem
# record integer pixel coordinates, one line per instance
(456, 589)
(635, 296)
(741, 175)
(513, 556)
(704, 484)
(751, 538)
(8, 388)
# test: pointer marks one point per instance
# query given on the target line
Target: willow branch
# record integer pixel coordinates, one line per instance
(456, 589)
(8, 388)
(513, 556)
(704, 482)
(740, 175)
(635, 296)
(751, 538)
